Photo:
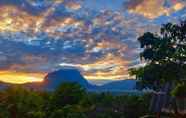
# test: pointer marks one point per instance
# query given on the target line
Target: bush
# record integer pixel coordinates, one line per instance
(68, 112)
(68, 94)
(179, 91)
(21, 102)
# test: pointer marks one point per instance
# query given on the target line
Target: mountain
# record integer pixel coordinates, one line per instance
(65, 75)
(54, 79)
(3, 85)
(120, 85)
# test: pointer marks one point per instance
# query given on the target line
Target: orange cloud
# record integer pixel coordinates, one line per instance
(178, 6)
(154, 8)
(14, 19)
(108, 43)
(73, 5)
(53, 27)
(108, 67)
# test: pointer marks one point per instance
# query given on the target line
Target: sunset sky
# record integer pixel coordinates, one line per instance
(98, 37)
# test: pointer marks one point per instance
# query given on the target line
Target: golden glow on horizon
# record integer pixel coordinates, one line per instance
(101, 77)
(20, 77)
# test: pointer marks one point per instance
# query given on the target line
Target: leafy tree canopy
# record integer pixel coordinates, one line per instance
(164, 54)
(68, 94)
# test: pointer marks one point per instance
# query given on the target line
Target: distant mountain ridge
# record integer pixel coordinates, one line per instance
(54, 79)
(119, 85)
(72, 75)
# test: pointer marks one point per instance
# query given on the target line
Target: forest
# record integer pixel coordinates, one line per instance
(70, 100)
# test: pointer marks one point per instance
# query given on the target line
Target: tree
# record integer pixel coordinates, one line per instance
(165, 55)
(69, 111)
(68, 94)
(21, 103)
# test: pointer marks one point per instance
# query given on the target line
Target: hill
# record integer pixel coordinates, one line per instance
(54, 79)
(72, 75)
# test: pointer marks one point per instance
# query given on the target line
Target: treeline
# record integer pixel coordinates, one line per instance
(70, 101)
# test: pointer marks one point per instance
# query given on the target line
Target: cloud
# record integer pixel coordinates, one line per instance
(100, 42)
(108, 67)
(67, 39)
(154, 8)
(14, 19)
(33, 7)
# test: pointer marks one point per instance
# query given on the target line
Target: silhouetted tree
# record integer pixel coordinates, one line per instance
(20, 103)
(165, 56)
(68, 94)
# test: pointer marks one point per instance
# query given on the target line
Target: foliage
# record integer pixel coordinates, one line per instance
(164, 54)
(180, 90)
(21, 103)
(68, 111)
(70, 101)
(68, 94)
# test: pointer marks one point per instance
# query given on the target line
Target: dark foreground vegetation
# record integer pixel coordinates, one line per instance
(70, 101)
(165, 69)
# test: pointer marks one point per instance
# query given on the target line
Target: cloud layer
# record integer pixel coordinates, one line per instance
(44, 35)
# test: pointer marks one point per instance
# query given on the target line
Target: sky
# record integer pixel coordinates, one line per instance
(98, 37)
